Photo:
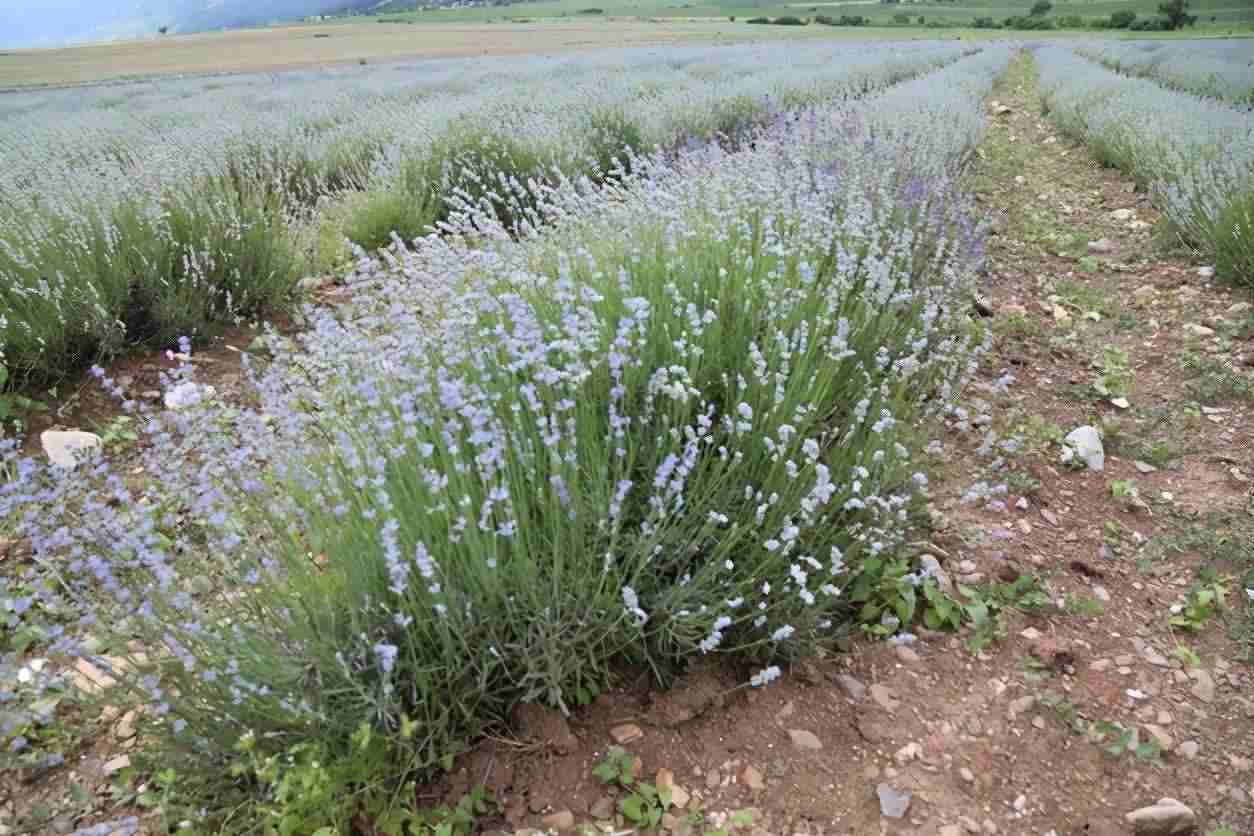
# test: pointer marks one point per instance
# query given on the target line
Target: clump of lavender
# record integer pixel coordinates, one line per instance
(669, 419)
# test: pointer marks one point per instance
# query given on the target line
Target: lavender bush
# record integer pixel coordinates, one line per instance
(1195, 155)
(670, 416)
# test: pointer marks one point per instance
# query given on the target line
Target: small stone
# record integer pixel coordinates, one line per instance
(752, 778)
(969, 824)
(883, 697)
(854, 689)
(1240, 309)
(1195, 330)
(1144, 467)
(1099, 665)
(1188, 749)
(1022, 504)
(1206, 272)
(713, 779)
(1124, 659)
(907, 753)
(1165, 818)
(89, 678)
(1031, 634)
(626, 733)
(66, 449)
(1021, 705)
(679, 797)
(1122, 215)
(1164, 718)
(561, 820)
(906, 655)
(1100, 593)
(1160, 734)
(893, 803)
(116, 764)
(664, 780)
(989, 826)
(603, 808)
(126, 726)
(1203, 685)
(1101, 246)
(950, 830)
(1020, 803)
(806, 740)
(1038, 722)
(966, 775)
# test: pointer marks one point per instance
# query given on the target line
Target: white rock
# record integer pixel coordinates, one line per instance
(1196, 330)
(1122, 215)
(1206, 272)
(65, 449)
(1240, 308)
(893, 803)
(1086, 443)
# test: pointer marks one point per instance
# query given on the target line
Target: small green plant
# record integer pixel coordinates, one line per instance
(1204, 602)
(645, 804)
(617, 767)
(1117, 740)
(1083, 606)
(889, 593)
(1066, 710)
(118, 432)
(1115, 376)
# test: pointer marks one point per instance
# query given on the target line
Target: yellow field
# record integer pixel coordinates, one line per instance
(260, 50)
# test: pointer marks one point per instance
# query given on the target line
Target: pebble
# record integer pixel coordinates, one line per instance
(1021, 803)
(1021, 705)
(950, 830)
(752, 778)
(1100, 593)
(884, 698)
(966, 775)
(1203, 685)
(1122, 215)
(1101, 246)
(1188, 749)
(626, 733)
(806, 740)
(853, 689)
(1196, 330)
(893, 803)
(1165, 818)
(908, 753)
(1160, 734)
(561, 820)
(116, 764)
(906, 655)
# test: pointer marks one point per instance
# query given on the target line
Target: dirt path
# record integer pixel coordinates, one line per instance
(1034, 733)
(1025, 726)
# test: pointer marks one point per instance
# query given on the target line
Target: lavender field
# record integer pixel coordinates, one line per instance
(636, 370)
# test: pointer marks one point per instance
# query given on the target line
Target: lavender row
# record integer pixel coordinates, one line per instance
(1195, 155)
(674, 417)
(1222, 69)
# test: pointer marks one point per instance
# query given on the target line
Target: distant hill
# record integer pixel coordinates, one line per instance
(45, 23)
